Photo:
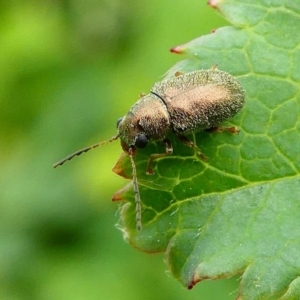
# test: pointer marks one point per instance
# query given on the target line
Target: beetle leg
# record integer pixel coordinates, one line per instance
(214, 67)
(152, 157)
(178, 73)
(191, 144)
(232, 129)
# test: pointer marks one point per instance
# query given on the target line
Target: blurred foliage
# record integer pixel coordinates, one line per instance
(68, 70)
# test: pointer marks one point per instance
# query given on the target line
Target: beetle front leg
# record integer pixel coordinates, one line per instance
(152, 157)
(191, 144)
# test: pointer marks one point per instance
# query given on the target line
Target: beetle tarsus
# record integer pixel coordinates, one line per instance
(202, 156)
(232, 129)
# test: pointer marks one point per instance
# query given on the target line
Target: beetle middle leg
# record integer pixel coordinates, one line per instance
(152, 157)
(191, 144)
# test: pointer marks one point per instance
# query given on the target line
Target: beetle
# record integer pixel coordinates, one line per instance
(187, 103)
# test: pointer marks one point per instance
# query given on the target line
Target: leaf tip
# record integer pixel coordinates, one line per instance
(119, 166)
(177, 50)
(195, 280)
(214, 3)
(119, 195)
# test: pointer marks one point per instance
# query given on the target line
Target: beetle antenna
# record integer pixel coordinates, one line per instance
(86, 149)
(138, 203)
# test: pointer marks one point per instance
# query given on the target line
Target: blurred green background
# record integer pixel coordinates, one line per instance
(68, 70)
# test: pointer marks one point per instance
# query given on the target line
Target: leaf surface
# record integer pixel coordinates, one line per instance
(239, 212)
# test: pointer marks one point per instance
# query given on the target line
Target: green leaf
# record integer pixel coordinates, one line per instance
(238, 213)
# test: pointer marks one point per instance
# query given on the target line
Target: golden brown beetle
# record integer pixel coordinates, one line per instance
(187, 103)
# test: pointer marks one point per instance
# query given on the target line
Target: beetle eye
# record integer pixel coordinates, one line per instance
(119, 121)
(141, 141)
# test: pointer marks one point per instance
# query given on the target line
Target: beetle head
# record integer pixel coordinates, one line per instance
(131, 133)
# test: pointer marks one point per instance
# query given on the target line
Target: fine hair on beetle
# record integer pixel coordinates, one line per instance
(187, 103)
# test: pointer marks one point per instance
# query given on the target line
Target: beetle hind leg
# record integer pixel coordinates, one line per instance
(152, 157)
(232, 129)
(191, 144)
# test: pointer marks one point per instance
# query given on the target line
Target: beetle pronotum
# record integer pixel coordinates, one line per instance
(184, 104)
